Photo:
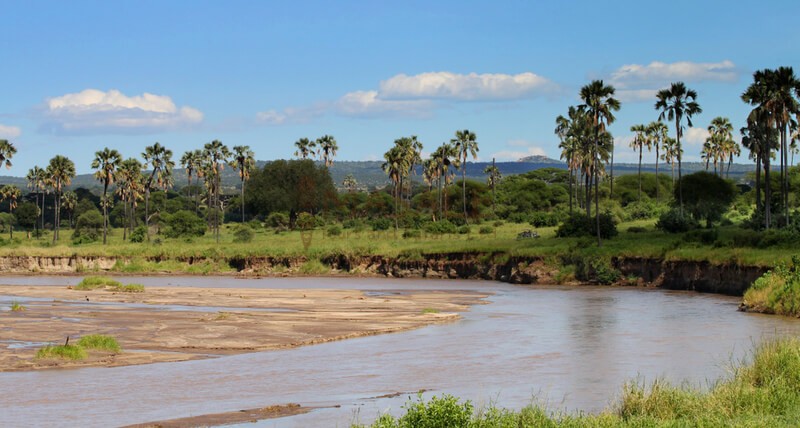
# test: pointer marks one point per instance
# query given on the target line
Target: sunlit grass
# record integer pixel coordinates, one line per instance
(67, 352)
(100, 342)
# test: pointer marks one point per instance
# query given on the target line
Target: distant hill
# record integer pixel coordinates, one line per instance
(370, 175)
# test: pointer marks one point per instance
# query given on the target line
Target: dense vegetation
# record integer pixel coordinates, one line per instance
(764, 392)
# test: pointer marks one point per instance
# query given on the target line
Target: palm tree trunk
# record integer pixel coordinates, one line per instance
(570, 191)
(657, 183)
(597, 183)
(147, 211)
(125, 222)
(640, 173)
(56, 225)
(464, 187)
(767, 193)
(680, 176)
(242, 201)
(587, 198)
(105, 211)
(611, 182)
(758, 182)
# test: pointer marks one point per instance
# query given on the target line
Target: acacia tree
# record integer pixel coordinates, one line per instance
(676, 103)
(60, 173)
(599, 104)
(243, 161)
(465, 144)
(11, 194)
(106, 163)
(159, 158)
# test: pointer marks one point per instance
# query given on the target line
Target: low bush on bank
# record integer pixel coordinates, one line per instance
(764, 393)
(95, 282)
(777, 291)
(579, 225)
(66, 352)
(129, 288)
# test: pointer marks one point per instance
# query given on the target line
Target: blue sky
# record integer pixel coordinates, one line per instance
(79, 76)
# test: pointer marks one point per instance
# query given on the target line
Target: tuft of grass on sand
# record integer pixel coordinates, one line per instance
(96, 282)
(66, 352)
(129, 288)
(430, 311)
(17, 307)
(100, 342)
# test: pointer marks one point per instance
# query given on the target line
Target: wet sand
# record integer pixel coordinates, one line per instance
(182, 323)
(229, 418)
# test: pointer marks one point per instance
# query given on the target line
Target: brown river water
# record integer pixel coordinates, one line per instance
(572, 347)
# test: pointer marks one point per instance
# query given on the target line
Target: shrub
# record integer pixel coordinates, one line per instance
(184, 223)
(95, 282)
(88, 227)
(464, 230)
(441, 227)
(673, 222)
(139, 234)
(442, 412)
(486, 230)
(277, 220)
(580, 225)
(99, 341)
(704, 236)
(67, 352)
(17, 307)
(305, 221)
(243, 233)
(637, 229)
(598, 269)
(499, 223)
(334, 230)
(544, 219)
(381, 223)
(642, 210)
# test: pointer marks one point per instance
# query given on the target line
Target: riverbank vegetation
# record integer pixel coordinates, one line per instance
(98, 342)
(765, 391)
(777, 291)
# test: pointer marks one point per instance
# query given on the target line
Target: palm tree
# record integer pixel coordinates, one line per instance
(599, 103)
(106, 163)
(327, 149)
(721, 138)
(350, 183)
(69, 202)
(130, 186)
(159, 158)
(573, 133)
(465, 144)
(7, 151)
(243, 161)
(191, 161)
(395, 165)
(36, 180)
(492, 180)
(676, 103)
(640, 139)
(305, 148)
(215, 156)
(658, 134)
(60, 173)
(10, 193)
(670, 155)
(444, 157)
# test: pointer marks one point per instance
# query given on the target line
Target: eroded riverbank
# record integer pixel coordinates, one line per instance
(182, 323)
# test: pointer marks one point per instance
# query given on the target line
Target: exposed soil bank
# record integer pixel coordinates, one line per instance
(730, 279)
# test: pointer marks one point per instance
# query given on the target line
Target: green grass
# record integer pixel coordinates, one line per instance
(764, 392)
(17, 307)
(67, 352)
(96, 282)
(430, 311)
(129, 288)
(314, 267)
(100, 342)
(777, 291)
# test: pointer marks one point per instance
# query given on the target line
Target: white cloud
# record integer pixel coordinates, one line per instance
(661, 73)
(465, 87)
(513, 155)
(291, 115)
(695, 136)
(369, 104)
(636, 95)
(7, 132)
(94, 112)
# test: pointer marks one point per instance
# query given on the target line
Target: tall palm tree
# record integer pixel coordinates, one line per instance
(191, 161)
(640, 139)
(395, 165)
(243, 161)
(60, 173)
(721, 138)
(658, 133)
(7, 151)
(465, 144)
(599, 103)
(444, 156)
(10, 193)
(574, 133)
(327, 149)
(159, 159)
(305, 148)
(36, 180)
(130, 187)
(493, 178)
(106, 163)
(676, 103)
(215, 156)
(670, 155)
(69, 202)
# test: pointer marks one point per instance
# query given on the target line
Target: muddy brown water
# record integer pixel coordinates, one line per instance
(570, 346)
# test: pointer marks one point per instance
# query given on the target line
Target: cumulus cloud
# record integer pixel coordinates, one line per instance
(515, 154)
(370, 104)
(7, 132)
(92, 111)
(290, 115)
(663, 73)
(695, 136)
(465, 87)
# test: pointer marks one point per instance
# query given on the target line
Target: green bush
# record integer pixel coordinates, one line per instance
(381, 223)
(642, 210)
(139, 234)
(67, 352)
(95, 282)
(579, 225)
(673, 222)
(334, 231)
(544, 219)
(88, 227)
(486, 230)
(243, 233)
(184, 224)
(277, 220)
(411, 233)
(444, 412)
(597, 269)
(99, 341)
(703, 236)
(440, 227)
(464, 230)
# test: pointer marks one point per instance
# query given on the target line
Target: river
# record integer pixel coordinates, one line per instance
(572, 347)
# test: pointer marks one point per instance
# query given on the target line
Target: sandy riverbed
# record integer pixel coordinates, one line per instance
(181, 323)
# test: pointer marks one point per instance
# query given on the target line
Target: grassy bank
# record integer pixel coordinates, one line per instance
(723, 245)
(764, 392)
(98, 342)
(777, 291)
